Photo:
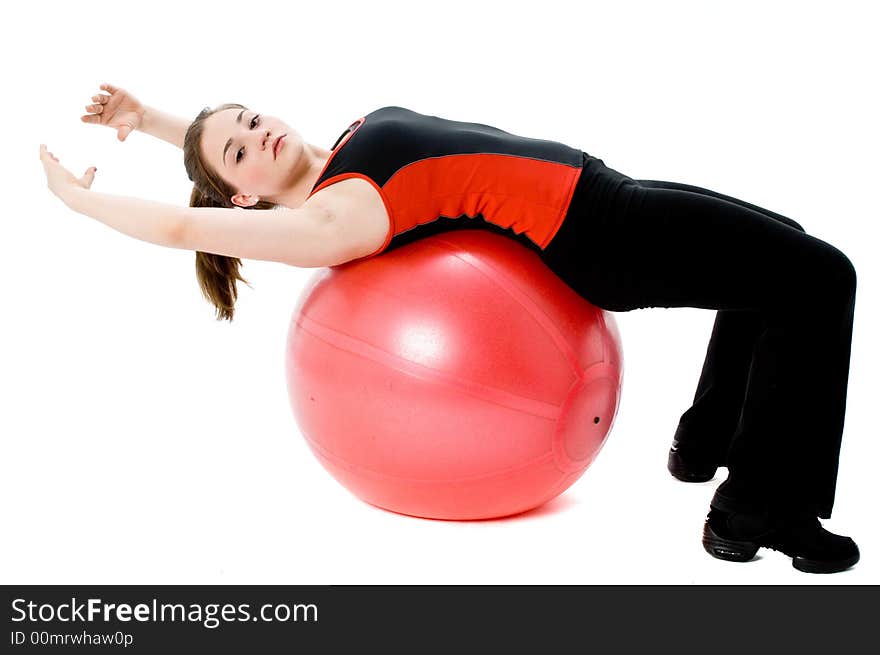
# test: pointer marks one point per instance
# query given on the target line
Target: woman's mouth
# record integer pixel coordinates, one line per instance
(277, 146)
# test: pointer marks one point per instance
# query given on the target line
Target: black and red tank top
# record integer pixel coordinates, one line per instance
(434, 174)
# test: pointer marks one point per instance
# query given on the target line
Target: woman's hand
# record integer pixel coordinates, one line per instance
(119, 110)
(60, 180)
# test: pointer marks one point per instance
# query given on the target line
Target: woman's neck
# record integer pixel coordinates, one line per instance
(312, 163)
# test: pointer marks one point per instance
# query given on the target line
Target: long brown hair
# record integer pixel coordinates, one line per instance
(217, 274)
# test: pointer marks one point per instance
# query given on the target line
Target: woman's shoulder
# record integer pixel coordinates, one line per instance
(356, 205)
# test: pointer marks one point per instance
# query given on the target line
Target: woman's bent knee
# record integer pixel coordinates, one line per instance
(842, 273)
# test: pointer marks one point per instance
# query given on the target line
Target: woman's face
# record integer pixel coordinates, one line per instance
(239, 145)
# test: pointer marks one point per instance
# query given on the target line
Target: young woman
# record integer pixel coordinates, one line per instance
(771, 399)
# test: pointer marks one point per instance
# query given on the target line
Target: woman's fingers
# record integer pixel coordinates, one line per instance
(90, 118)
(101, 98)
(97, 109)
(45, 151)
(88, 177)
(109, 87)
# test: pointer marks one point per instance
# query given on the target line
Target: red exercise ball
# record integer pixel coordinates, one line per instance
(456, 377)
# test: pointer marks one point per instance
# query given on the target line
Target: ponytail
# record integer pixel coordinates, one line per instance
(217, 274)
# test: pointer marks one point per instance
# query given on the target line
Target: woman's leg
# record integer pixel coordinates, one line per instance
(662, 184)
(705, 430)
(636, 247)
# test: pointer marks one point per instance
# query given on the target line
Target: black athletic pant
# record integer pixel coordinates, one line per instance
(771, 399)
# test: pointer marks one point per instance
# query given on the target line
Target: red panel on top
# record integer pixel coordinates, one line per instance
(529, 195)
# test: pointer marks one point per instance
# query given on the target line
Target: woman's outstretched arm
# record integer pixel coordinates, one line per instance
(303, 237)
(306, 237)
(164, 126)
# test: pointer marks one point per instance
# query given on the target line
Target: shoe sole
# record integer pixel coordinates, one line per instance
(743, 551)
(681, 472)
(814, 566)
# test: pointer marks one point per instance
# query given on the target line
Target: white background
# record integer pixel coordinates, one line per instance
(144, 442)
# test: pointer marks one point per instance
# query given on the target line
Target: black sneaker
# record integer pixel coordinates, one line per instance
(689, 465)
(736, 537)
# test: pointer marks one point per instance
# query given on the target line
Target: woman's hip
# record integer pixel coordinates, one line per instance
(626, 244)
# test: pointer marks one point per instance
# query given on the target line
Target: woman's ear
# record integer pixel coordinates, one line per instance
(244, 200)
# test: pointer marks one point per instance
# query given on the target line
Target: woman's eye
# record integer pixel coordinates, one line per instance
(254, 123)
